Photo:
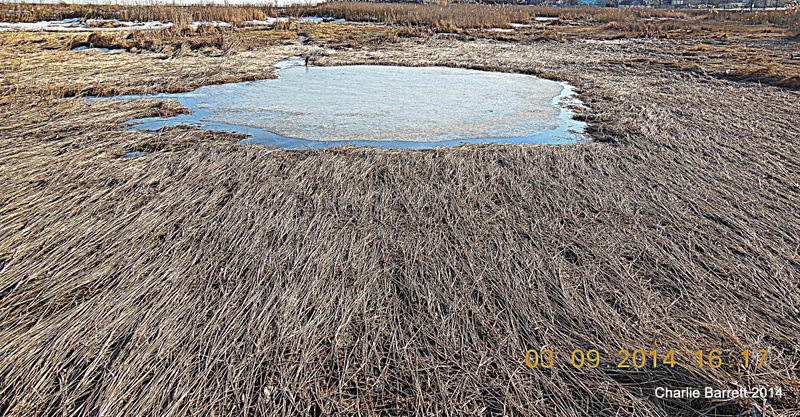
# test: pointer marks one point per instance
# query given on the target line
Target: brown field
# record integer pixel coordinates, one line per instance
(212, 278)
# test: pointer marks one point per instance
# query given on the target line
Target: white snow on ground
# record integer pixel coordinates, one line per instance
(70, 25)
(106, 50)
(195, 25)
(513, 26)
(268, 22)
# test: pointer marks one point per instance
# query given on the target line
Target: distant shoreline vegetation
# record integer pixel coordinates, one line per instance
(699, 4)
(157, 3)
(436, 17)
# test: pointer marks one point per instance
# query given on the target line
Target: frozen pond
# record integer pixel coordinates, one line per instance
(315, 107)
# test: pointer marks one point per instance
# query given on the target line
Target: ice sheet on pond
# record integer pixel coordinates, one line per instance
(383, 106)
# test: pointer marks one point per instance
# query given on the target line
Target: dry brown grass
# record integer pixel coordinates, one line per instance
(777, 67)
(627, 22)
(466, 16)
(209, 278)
(610, 14)
(440, 18)
(472, 15)
(22, 12)
(180, 63)
(784, 18)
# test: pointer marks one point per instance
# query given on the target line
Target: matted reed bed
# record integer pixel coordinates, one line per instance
(210, 278)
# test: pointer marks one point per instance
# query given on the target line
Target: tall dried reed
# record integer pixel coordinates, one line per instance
(22, 12)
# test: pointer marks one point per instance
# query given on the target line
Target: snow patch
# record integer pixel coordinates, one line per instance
(110, 51)
(266, 22)
(74, 25)
(195, 25)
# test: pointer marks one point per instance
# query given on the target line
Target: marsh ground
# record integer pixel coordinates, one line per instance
(208, 277)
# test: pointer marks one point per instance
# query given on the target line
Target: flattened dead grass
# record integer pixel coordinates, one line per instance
(210, 278)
